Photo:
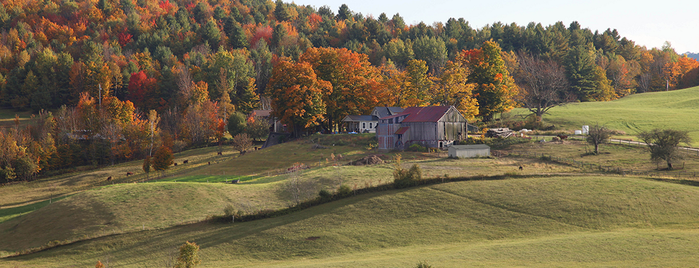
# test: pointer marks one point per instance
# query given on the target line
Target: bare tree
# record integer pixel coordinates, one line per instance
(543, 82)
(662, 144)
(299, 189)
(598, 135)
(242, 142)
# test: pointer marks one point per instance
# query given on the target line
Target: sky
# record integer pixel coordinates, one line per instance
(648, 23)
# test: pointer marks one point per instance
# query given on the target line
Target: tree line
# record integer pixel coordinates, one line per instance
(131, 73)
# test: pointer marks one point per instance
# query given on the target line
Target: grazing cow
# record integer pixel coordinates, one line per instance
(129, 173)
(219, 153)
(521, 168)
(109, 178)
(175, 164)
(562, 137)
(185, 161)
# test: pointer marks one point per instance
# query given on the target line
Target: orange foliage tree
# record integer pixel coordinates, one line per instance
(495, 88)
(297, 94)
(355, 83)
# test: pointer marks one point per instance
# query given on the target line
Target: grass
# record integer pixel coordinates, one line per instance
(209, 179)
(634, 113)
(556, 221)
(630, 158)
(7, 117)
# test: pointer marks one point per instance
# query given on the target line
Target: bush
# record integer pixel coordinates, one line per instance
(423, 264)
(344, 190)
(417, 148)
(229, 211)
(406, 178)
(325, 194)
(189, 255)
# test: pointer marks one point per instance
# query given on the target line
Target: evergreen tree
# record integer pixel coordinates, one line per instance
(581, 71)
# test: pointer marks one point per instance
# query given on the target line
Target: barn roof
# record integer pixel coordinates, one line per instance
(355, 118)
(425, 114)
(263, 113)
(386, 111)
(402, 130)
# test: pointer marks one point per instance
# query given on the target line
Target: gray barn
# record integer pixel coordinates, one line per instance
(433, 127)
(468, 151)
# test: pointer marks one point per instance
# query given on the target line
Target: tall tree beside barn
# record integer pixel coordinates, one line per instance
(355, 87)
(297, 95)
(495, 89)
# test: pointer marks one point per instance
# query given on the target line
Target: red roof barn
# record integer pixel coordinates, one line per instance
(434, 127)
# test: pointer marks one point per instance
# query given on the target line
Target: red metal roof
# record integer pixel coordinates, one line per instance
(402, 130)
(425, 114)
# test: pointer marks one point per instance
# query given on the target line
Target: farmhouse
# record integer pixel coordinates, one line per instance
(434, 127)
(368, 123)
(468, 151)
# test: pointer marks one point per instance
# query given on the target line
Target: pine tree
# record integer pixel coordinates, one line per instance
(581, 71)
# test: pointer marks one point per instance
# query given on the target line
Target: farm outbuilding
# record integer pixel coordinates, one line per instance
(468, 151)
(432, 127)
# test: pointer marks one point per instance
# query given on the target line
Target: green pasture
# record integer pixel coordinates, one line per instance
(576, 221)
(638, 112)
(7, 117)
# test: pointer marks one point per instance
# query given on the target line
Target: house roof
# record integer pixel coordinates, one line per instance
(355, 118)
(386, 111)
(402, 130)
(425, 114)
(263, 113)
(471, 146)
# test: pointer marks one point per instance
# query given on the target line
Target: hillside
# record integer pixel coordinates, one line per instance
(555, 221)
(667, 109)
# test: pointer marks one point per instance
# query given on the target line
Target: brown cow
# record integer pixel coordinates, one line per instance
(185, 161)
(109, 178)
(175, 164)
(220, 153)
(209, 163)
(129, 173)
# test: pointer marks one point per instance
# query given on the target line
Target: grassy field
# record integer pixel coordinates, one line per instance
(555, 221)
(140, 224)
(638, 112)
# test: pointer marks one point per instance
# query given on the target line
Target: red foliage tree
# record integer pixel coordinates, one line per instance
(142, 91)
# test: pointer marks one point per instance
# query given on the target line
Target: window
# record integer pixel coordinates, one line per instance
(363, 125)
(369, 125)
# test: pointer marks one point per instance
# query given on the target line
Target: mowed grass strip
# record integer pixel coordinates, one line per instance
(638, 112)
(532, 217)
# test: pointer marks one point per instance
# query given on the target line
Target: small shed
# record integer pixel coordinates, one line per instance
(468, 151)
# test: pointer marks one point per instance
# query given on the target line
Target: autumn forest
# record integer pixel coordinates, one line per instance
(117, 80)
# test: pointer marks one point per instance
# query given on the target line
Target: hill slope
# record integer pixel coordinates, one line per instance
(575, 221)
(671, 109)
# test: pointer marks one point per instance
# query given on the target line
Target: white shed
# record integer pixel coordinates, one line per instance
(468, 151)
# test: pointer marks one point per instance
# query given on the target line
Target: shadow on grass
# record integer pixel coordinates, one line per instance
(9, 213)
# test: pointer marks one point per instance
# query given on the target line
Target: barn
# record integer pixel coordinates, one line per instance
(468, 151)
(433, 127)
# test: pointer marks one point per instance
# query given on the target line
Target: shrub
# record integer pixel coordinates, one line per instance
(325, 194)
(406, 178)
(423, 264)
(344, 190)
(417, 148)
(229, 211)
(189, 255)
